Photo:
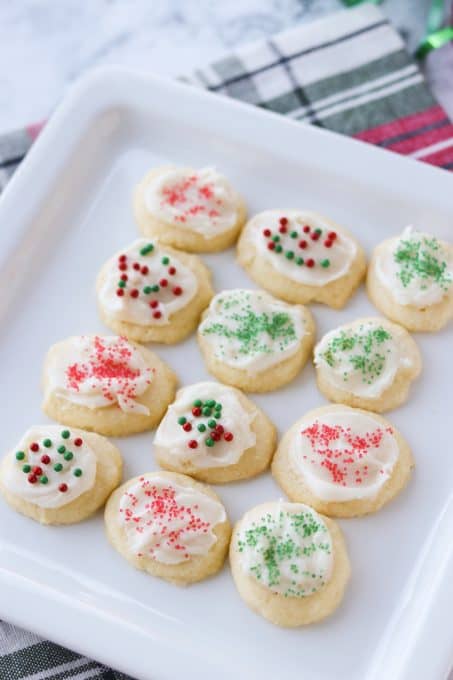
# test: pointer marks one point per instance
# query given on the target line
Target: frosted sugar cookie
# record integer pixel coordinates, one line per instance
(302, 257)
(170, 526)
(253, 341)
(195, 210)
(59, 476)
(214, 433)
(342, 461)
(289, 564)
(369, 363)
(106, 384)
(152, 293)
(410, 280)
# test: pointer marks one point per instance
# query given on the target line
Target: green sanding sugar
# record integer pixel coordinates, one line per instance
(366, 348)
(422, 259)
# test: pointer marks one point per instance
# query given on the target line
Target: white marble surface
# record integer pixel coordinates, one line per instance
(46, 44)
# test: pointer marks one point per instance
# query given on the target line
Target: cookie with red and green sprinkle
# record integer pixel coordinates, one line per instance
(59, 475)
(302, 257)
(410, 280)
(289, 563)
(149, 292)
(214, 433)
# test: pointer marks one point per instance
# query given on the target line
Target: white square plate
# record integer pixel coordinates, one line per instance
(66, 210)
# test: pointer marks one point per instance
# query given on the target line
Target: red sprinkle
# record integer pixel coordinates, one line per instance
(144, 270)
(310, 263)
(153, 304)
(303, 244)
(122, 258)
(45, 459)
(332, 235)
(172, 271)
(215, 435)
(163, 283)
(271, 245)
(78, 441)
(193, 444)
(196, 411)
(283, 221)
(122, 266)
(120, 292)
(37, 470)
(187, 427)
(220, 428)
(123, 277)
(314, 236)
(136, 266)
(228, 436)
(267, 233)
(306, 229)
(32, 478)
(134, 293)
(63, 488)
(282, 229)
(328, 243)
(34, 446)
(157, 314)
(177, 290)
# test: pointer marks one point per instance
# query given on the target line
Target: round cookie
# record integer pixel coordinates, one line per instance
(195, 210)
(302, 257)
(59, 476)
(214, 433)
(344, 462)
(152, 293)
(289, 564)
(369, 364)
(410, 280)
(253, 341)
(106, 384)
(169, 526)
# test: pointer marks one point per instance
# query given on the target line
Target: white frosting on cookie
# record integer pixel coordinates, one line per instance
(415, 268)
(250, 330)
(343, 455)
(207, 434)
(145, 284)
(197, 200)
(51, 467)
(168, 522)
(98, 371)
(361, 358)
(301, 246)
(286, 548)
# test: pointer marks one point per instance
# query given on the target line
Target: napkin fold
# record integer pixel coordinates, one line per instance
(349, 73)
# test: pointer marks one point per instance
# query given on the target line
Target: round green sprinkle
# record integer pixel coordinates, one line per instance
(207, 411)
(198, 403)
(155, 288)
(182, 420)
(43, 479)
(68, 455)
(293, 234)
(165, 260)
(289, 254)
(47, 443)
(61, 449)
(26, 468)
(212, 423)
(20, 455)
(65, 434)
(209, 442)
(276, 238)
(147, 290)
(318, 231)
(121, 284)
(278, 249)
(58, 467)
(299, 260)
(211, 403)
(201, 428)
(325, 263)
(147, 249)
(78, 472)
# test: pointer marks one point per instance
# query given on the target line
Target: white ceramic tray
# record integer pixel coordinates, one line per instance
(66, 210)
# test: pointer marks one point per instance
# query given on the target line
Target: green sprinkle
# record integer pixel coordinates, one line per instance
(422, 259)
(198, 403)
(325, 263)
(77, 472)
(206, 411)
(58, 467)
(182, 420)
(26, 468)
(68, 455)
(146, 250)
(278, 248)
(212, 423)
(65, 434)
(201, 428)
(43, 479)
(165, 260)
(61, 449)
(276, 238)
(209, 442)
(20, 455)
(318, 231)
(147, 290)
(211, 403)
(299, 260)
(47, 443)
(121, 284)
(289, 254)
(155, 288)
(293, 234)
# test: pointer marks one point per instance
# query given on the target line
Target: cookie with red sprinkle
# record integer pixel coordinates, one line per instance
(302, 257)
(59, 475)
(194, 210)
(342, 461)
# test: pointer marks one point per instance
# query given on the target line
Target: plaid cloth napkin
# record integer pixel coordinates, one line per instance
(349, 73)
